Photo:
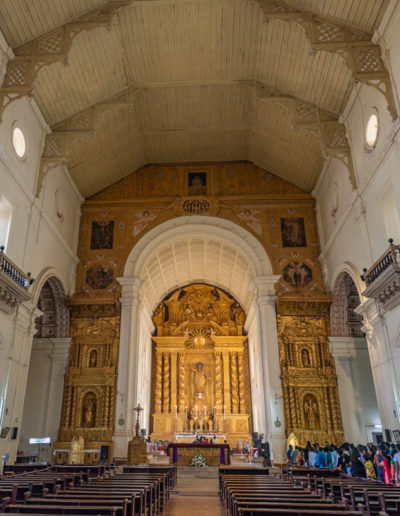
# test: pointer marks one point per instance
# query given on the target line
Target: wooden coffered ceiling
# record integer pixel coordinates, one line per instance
(123, 83)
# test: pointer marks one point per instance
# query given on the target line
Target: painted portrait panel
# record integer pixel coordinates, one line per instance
(293, 232)
(102, 235)
(297, 274)
(197, 183)
(99, 277)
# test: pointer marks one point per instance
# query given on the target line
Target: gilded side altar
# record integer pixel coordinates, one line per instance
(200, 366)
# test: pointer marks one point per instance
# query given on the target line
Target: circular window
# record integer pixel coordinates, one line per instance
(19, 143)
(371, 130)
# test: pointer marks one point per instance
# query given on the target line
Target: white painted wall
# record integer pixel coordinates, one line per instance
(356, 234)
(39, 242)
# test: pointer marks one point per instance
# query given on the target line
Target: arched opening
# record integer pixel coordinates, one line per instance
(187, 250)
(350, 350)
(44, 391)
(200, 373)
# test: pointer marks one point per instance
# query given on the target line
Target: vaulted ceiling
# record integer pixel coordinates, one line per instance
(123, 83)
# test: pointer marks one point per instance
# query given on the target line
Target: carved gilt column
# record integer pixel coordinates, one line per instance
(166, 397)
(158, 386)
(181, 383)
(218, 383)
(234, 383)
(174, 384)
(227, 386)
(242, 385)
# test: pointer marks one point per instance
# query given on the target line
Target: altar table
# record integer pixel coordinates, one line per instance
(214, 454)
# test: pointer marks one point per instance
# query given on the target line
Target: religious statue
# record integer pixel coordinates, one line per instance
(239, 314)
(199, 379)
(311, 414)
(305, 358)
(89, 412)
(93, 358)
(159, 315)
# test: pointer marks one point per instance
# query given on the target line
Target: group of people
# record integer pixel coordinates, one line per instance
(380, 462)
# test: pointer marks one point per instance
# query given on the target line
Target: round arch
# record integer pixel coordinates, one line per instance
(197, 249)
(354, 273)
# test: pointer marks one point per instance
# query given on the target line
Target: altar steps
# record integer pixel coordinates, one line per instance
(191, 472)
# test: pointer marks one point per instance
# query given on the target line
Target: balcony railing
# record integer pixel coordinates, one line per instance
(13, 284)
(382, 278)
(13, 272)
(390, 257)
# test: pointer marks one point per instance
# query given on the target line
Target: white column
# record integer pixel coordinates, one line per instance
(386, 378)
(270, 362)
(144, 365)
(127, 385)
(44, 391)
(59, 353)
(19, 353)
(356, 388)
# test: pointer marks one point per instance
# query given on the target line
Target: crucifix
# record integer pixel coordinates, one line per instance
(137, 409)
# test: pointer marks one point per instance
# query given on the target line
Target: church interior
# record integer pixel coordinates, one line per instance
(199, 224)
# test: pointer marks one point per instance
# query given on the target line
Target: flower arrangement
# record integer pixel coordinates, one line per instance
(198, 461)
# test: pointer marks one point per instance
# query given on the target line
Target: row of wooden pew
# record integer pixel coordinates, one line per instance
(143, 491)
(375, 496)
(311, 493)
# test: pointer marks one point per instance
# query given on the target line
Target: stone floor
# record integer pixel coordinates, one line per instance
(195, 494)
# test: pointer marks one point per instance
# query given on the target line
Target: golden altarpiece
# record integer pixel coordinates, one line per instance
(200, 366)
(282, 218)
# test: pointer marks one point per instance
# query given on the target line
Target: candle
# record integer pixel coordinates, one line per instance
(186, 411)
(196, 411)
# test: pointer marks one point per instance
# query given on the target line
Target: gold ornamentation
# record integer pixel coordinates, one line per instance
(200, 328)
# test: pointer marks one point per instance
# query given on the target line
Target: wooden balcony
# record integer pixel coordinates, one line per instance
(14, 284)
(383, 278)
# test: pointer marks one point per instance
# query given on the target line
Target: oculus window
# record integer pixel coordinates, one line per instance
(371, 130)
(19, 143)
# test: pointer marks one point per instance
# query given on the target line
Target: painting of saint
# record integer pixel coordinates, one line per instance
(197, 183)
(99, 277)
(102, 235)
(293, 232)
(297, 274)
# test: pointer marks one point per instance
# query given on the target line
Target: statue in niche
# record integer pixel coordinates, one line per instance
(199, 379)
(311, 415)
(159, 315)
(89, 411)
(93, 358)
(239, 314)
(305, 358)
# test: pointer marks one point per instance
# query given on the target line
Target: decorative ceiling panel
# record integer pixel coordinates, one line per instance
(198, 74)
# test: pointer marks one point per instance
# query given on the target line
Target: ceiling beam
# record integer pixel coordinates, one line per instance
(48, 48)
(363, 58)
(305, 115)
(64, 133)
